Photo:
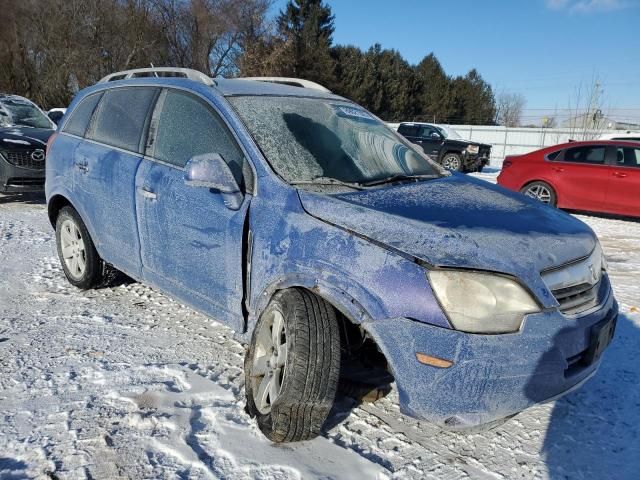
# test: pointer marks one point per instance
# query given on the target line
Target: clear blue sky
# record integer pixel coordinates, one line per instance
(543, 49)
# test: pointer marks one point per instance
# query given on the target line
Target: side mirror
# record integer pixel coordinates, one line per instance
(209, 170)
(435, 136)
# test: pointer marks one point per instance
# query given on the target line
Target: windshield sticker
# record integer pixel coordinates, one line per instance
(351, 112)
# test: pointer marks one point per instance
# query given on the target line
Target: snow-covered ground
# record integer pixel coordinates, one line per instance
(125, 383)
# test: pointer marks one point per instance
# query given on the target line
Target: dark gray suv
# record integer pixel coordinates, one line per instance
(24, 131)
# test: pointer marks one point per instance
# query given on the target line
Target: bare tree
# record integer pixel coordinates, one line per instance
(587, 112)
(509, 108)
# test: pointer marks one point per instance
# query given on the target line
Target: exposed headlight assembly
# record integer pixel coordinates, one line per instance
(473, 149)
(482, 302)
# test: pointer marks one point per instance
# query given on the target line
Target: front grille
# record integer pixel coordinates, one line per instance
(25, 182)
(580, 285)
(577, 298)
(24, 159)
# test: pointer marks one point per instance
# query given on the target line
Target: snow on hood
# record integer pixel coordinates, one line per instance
(461, 222)
(15, 135)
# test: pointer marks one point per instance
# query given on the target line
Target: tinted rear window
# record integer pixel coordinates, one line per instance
(593, 155)
(121, 117)
(81, 116)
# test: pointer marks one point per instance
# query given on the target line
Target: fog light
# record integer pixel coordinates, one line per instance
(433, 361)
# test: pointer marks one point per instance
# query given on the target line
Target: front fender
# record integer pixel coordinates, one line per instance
(363, 280)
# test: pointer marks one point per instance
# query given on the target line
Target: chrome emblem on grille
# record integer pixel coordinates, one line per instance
(594, 274)
(37, 155)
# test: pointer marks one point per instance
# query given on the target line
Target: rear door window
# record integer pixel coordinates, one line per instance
(409, 130)
(121, 118)
(81, 115)
(590, 155)
(187, 127)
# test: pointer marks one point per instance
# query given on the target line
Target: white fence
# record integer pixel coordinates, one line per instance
(513, 141)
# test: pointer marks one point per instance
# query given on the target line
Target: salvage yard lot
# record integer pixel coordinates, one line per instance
(124, 382)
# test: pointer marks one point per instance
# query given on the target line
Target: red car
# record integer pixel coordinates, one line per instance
(595, 176)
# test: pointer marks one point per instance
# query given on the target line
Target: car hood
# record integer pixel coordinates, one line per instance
(24, 137)
(465, 143)
(460, 222)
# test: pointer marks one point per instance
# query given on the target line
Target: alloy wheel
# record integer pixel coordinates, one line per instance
(73, 249)
(269, 362)
(540, 193)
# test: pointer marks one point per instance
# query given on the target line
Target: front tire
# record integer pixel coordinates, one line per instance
(292, 366)
(453, 162)
(541, 191)
(80, 261)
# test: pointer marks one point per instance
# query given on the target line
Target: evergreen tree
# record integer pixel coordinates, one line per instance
(380, 80)
(306, 29)
(434, 101)
(473, 100)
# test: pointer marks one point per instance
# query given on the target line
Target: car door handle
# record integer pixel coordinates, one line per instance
(558, 169)
(418, 141)
(148, 194)
(83, 166)
(619, 174)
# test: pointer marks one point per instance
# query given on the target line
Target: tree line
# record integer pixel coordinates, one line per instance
(51, 48)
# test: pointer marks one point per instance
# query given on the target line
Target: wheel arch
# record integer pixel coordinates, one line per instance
(57, 202)
(54, 205)
(354, 310)
(353, 320)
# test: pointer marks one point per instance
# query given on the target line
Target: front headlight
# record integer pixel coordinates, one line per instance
(482, 302)
(473, 149)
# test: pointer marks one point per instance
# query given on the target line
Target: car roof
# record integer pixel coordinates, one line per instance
(592, 142)
(238, 86)
(223, 86)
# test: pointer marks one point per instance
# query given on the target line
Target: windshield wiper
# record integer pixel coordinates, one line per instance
(328, 181)
(397, 178)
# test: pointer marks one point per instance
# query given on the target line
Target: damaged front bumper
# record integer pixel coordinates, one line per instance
(475, 162)
(490, 377)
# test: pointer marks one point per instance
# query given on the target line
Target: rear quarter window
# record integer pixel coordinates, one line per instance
(121, 117)
(81, 115)
(553, 155)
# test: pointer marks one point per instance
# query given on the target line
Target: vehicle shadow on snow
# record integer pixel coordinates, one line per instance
(594, 432)
(37, 198)
(11, 468)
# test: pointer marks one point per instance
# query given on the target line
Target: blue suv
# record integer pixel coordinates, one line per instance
(333, 247)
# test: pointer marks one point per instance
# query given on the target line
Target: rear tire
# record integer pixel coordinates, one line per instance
(541, 191)
(453, 162)
(302, 378)
(79, 258)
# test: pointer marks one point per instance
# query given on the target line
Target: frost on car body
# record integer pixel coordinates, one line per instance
(296, 217)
